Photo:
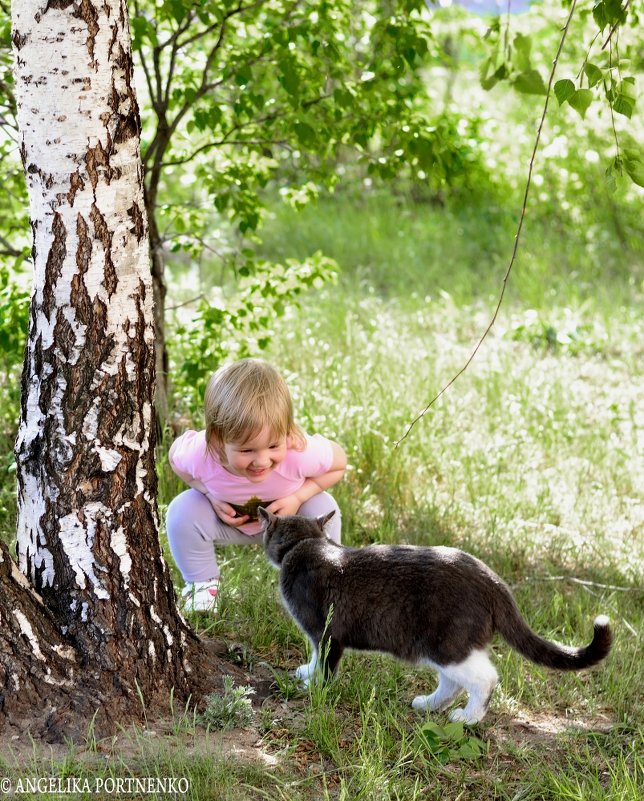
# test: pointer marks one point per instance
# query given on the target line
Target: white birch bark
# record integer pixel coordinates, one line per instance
(87, 521)
(76, 109)
(102, 626)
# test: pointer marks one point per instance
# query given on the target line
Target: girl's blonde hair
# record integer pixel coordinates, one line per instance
(242, 399)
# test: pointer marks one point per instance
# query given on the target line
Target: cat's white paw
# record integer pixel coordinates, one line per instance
(436, 702)
(422, 703)
(463, 716)
(303, 672)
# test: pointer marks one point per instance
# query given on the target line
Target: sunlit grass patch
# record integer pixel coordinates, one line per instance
(531, 461)
(526, 438)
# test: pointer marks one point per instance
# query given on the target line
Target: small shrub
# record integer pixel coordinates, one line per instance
(230, 710)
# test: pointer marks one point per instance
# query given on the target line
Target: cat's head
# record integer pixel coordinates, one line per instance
(282, 533)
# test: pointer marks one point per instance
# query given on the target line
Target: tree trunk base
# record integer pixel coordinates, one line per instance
(46, 693)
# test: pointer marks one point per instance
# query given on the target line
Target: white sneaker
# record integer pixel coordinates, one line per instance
(200, 596)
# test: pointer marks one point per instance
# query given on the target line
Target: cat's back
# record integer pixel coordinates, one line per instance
(411, 571)
(418, 571)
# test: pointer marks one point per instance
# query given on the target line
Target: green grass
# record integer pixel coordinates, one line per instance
(396, 247)
(532, 461)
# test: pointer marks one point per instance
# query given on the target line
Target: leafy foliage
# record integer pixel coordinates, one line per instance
(14, 220)
(603, 68)
(240, 325)
(14, 308)
(449, 742)
(283, 91)
(14, 311)
(573, 338)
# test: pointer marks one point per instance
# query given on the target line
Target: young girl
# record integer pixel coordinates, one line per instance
(251, 454)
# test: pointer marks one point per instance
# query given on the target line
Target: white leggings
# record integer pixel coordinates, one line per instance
(194, 529)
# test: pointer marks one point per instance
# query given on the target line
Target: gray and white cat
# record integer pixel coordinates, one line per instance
(437, 606)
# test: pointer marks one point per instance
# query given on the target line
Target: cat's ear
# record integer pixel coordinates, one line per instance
(324, 519)
(264, 514)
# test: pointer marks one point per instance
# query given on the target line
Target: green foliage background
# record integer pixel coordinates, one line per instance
(337, 187)
(260, 121)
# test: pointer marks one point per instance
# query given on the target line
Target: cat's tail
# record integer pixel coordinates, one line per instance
(516, 632)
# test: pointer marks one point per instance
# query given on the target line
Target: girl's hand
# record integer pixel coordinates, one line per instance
(285, 506)
(228, 515)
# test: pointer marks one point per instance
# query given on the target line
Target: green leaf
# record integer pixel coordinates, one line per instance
(594, 74)
(609, 12)
(454, 731)
(625, 97)
(433, 731)
(142, 29)
(243, 76)
(423, 149)
(488, 81)
(432, 741)
(305, 133)
(468, 751)
(580, 101)
(624, 105)
(289, 78)
(564, 90)
(221, 201)
(634, 165)
(178, 9)
(530, 83)
(521, 56)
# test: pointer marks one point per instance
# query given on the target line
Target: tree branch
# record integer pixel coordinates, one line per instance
(185, 303)
(8, 248)
(146, 71)
(224, 141)
(517, 237)
(241, 126)
(164, 131)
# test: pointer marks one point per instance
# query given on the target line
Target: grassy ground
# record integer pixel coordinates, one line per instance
(532, 461)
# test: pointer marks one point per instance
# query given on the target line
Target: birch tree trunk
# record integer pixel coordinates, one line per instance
(87, 519)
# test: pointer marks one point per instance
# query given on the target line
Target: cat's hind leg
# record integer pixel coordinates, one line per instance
(478, 677)
(305, 672)
(326, 664)
(442, 696)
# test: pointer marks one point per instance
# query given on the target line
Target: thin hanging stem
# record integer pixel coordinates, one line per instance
(515, 249)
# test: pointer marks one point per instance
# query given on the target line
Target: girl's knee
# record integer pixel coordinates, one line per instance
(322, 504)
(187, 511)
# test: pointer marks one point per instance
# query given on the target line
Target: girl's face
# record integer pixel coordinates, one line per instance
(256, 458)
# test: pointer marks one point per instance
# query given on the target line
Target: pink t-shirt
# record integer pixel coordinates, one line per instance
(191, 461)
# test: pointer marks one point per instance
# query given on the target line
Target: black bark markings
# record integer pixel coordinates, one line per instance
(89, 15)
(76, 184)
(97, 161)
(59, 4)
(103, 234)
(55, 260)
(19, 40)
(128, 124)
(138, 220)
